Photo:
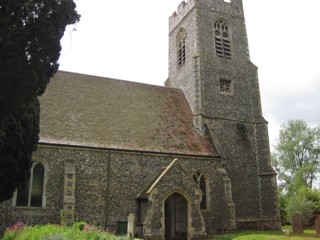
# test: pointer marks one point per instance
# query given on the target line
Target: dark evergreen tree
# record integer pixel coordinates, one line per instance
(30, 33)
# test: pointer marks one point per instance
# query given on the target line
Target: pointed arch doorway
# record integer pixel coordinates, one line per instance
(176, 217)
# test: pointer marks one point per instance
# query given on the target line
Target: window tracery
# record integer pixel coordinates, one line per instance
(181, 47)
(226, 86)
(222, 39)
(200, 180)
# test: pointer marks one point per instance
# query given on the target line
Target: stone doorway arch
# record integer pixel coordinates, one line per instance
(176, 217)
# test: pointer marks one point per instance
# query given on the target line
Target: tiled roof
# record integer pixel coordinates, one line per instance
(93, 111)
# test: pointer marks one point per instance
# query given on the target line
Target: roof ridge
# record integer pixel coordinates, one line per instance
(116, 79)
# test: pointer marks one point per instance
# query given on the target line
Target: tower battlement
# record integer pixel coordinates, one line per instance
(231, 7)
(183, 9)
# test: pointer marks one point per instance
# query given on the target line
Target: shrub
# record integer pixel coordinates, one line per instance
(14, 231)
(18, 226)
(88, 227)
(79, 225)
(283, 202)
(306, 202)
(79, 231)
(300, 204)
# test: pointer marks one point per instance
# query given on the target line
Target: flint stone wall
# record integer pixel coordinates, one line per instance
(107, 184)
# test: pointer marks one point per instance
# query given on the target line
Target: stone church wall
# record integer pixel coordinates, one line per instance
(246, 169)
(131, 172)
(90, 187)
(108, 183)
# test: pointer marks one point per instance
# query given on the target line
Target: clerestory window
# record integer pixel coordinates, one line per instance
(222, 39)
(181, 47)
(201, 182)
(31, 195)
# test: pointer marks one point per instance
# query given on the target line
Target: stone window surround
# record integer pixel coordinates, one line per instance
(14, 198)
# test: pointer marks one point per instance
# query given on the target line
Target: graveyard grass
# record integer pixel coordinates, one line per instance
(249, 235)
(85, 231)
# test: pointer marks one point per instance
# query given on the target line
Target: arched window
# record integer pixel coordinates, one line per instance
(31, 195)
(222, 39)
(181, 47)
(201, 182)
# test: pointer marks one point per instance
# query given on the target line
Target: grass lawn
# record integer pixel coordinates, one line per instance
(307, 235)
(84, 231)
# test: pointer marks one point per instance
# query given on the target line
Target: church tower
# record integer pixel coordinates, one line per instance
(209, 60)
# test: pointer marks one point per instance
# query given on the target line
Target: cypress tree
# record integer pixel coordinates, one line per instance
(30, 33)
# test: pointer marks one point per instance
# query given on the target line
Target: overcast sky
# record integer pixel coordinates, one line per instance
(128, 40)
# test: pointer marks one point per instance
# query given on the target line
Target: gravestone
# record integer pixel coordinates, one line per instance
(287, 232)
(297, 224)
(317, 225)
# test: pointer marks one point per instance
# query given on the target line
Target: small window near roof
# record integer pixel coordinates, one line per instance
(181, 47)
(31, 195)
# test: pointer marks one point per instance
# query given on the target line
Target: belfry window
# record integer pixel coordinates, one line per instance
(31, 195)
(201, 182)
(222, 39)
(181, 47)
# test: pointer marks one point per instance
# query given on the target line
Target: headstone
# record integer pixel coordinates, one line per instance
(297, 224)
(287, 232)
(317, 225)
(131, 224)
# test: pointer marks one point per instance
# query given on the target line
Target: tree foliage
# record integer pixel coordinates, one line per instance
(283, 202)
(30, 33)
(297, 155)
(296, 160)
(301, 205)
(305, 202)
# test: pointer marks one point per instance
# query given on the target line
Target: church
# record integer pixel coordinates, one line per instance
(184, 161)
